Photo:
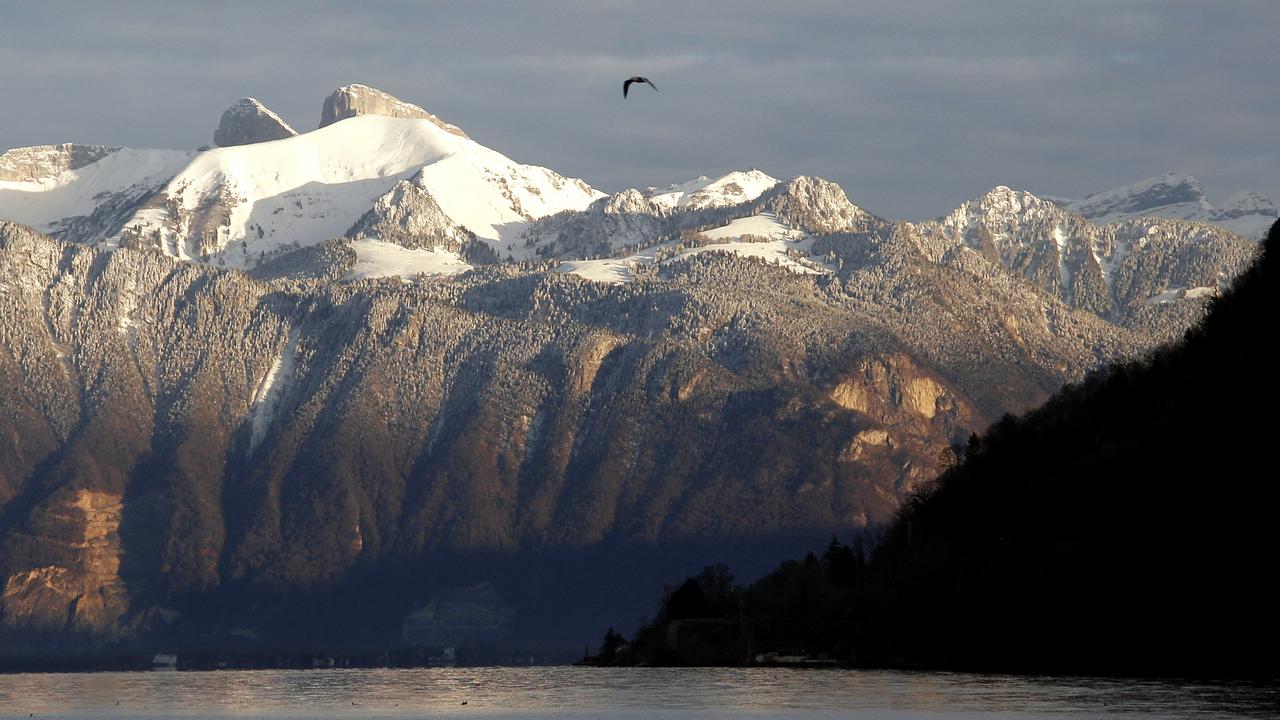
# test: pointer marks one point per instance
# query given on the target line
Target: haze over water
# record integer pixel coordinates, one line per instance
(617, 693)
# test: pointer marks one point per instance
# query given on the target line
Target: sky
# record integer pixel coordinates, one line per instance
(913, 110)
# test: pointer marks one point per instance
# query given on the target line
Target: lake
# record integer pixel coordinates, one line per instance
(629, 693)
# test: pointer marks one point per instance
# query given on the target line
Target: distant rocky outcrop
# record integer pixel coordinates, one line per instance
(248, 122)
(408, 215)
(41, 162)
(1178, 196)
(352, 100)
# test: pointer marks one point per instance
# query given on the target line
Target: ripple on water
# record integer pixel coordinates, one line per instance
(626, 694)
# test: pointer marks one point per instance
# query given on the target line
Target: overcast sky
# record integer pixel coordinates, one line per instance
(912, 110)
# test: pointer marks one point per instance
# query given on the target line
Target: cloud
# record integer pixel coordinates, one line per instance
(913, 109)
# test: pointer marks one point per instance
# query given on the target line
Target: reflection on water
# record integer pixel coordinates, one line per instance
(623, 693)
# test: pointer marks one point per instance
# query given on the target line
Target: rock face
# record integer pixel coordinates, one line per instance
(46, 162)
(248, 122)
(352, 100)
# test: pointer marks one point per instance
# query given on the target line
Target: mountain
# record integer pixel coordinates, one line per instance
(314, 387)
(235, 206)
(1119, 271)
(1178, 196)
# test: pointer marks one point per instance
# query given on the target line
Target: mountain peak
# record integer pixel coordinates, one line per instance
(1178, 196)
(732, 188)
(356, 99)
(1007, 198)
(249, 121)
(1171, 195)
(630, 201)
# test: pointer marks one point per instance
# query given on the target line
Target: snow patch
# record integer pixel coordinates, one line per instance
(774, 252)
(764, 225)
(704, 192)
(613, 271)
(1177, 293)
(1064, 276)
(375, 259)
(780, 249)
(266, 400)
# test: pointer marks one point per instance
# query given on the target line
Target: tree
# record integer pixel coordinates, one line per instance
(609, 647)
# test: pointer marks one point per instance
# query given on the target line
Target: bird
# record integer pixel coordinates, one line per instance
(626, 85)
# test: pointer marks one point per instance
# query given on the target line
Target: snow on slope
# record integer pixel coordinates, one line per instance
(238, 202)
(376, 259)
(783, 240)
(79, 192)
(495, 197)
(613, 271)
(1248, 214)
(1177, 196)
(773, 252)
(778, 249)
(731, 189)
(763, 225)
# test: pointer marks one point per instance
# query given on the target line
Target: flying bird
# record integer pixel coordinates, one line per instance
(626, 85)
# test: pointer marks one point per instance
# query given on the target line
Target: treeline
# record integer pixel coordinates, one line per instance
(803, 609)
(1127, 527)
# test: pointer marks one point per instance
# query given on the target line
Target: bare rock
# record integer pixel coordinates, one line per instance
(352, 100)
(248, 122)
(40, 162)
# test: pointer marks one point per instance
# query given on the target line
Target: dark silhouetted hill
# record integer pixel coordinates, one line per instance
(1125, 527)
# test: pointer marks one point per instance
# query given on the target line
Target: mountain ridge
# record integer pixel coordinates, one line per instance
(378, 348)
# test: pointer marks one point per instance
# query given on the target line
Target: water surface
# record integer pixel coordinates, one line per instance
(627, 694)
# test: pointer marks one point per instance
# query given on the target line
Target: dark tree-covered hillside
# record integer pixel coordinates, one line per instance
(1128, 525)
(1125, 527)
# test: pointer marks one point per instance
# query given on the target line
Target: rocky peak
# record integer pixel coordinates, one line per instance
(1245, 203)
(1171, 195)
(46, 162)
(629, 201)
(820, 206)
(352, 100)
(248, 122)
(408, 215)
(1002, 197)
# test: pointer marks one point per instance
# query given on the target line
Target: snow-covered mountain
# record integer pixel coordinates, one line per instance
(1178, 196)
(246, 201)
(1115, 270)
(54, 190)
(235, 206)
(381, 171)
(730, 189)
